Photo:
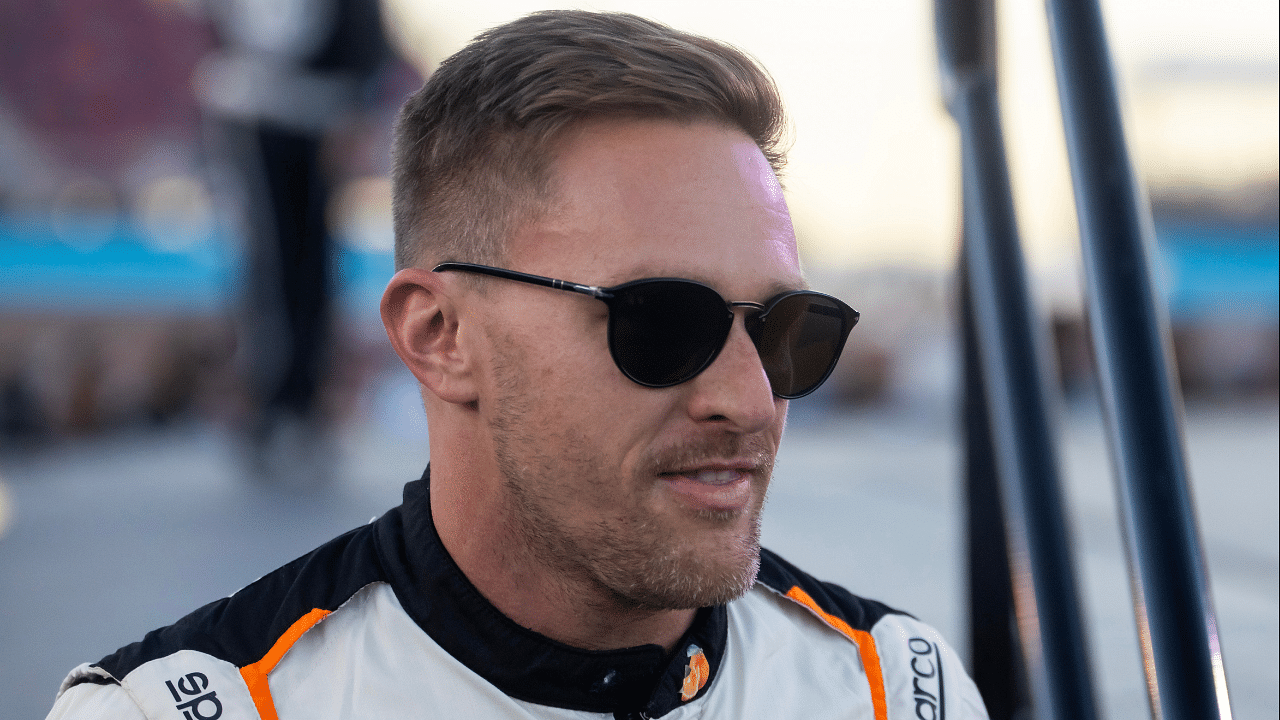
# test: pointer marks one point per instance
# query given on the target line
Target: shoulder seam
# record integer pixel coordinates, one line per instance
(255, 675)
(861, 639)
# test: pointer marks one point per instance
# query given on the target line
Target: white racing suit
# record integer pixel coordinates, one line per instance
(381, 624)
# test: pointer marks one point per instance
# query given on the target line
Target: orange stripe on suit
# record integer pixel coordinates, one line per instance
(866, 649)
(255, 675)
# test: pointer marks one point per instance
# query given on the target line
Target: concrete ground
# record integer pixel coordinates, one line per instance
(105, 539)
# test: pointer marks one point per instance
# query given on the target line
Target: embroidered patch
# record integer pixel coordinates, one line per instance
(696, 673)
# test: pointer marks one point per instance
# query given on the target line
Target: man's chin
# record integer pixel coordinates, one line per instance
(693, 581)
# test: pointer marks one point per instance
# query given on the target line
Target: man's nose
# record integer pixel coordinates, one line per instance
(734, 388)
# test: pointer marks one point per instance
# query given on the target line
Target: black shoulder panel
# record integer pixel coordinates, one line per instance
(781, 576)
(241, 629)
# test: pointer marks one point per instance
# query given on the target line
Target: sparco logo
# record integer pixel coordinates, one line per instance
(926, 685)
(193, 701)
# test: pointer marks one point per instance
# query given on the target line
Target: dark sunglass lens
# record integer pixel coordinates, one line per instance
(799, 340)
(664, 332)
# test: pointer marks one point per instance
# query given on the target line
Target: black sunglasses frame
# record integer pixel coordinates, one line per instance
(757, 315)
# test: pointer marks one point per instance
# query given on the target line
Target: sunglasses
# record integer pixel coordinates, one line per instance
(664, 331)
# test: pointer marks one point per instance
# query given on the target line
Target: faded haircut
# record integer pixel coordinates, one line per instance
(473, 148)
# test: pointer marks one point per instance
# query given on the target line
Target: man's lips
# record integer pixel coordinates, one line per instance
(712, 477)
(712, 488)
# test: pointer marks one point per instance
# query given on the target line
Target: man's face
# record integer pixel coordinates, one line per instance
(650, 496)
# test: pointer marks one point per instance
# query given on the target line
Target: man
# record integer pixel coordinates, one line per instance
(601, 299)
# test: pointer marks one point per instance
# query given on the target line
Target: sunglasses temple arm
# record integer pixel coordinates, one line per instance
(592, 290)
(555, 284)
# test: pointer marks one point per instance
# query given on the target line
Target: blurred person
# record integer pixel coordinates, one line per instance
(288, 76)
(584, 542)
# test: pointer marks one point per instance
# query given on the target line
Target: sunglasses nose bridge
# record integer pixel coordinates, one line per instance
(731, 344)
(753, 324)
(752, 308)
(752, 314)
(751, 318)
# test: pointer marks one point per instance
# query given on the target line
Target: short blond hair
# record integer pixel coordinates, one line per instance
(473, 148)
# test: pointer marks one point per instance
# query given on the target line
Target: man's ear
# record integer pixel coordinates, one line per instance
(422, 322)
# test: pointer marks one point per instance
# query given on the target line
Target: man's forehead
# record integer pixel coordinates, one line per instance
(604, 147)
(660, 198)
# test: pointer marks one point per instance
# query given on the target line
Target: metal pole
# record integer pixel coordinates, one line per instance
(1176, 624)
(1012, 358)
(996, 657)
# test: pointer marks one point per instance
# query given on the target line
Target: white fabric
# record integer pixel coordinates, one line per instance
(369, 659)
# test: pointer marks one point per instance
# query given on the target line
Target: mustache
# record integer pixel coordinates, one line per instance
(756, 451)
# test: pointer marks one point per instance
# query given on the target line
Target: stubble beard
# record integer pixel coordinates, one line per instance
(630, 558)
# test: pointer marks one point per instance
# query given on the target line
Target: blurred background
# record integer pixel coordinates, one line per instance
(183, 408)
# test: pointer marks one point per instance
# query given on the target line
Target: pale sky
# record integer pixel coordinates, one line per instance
(873, 176)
